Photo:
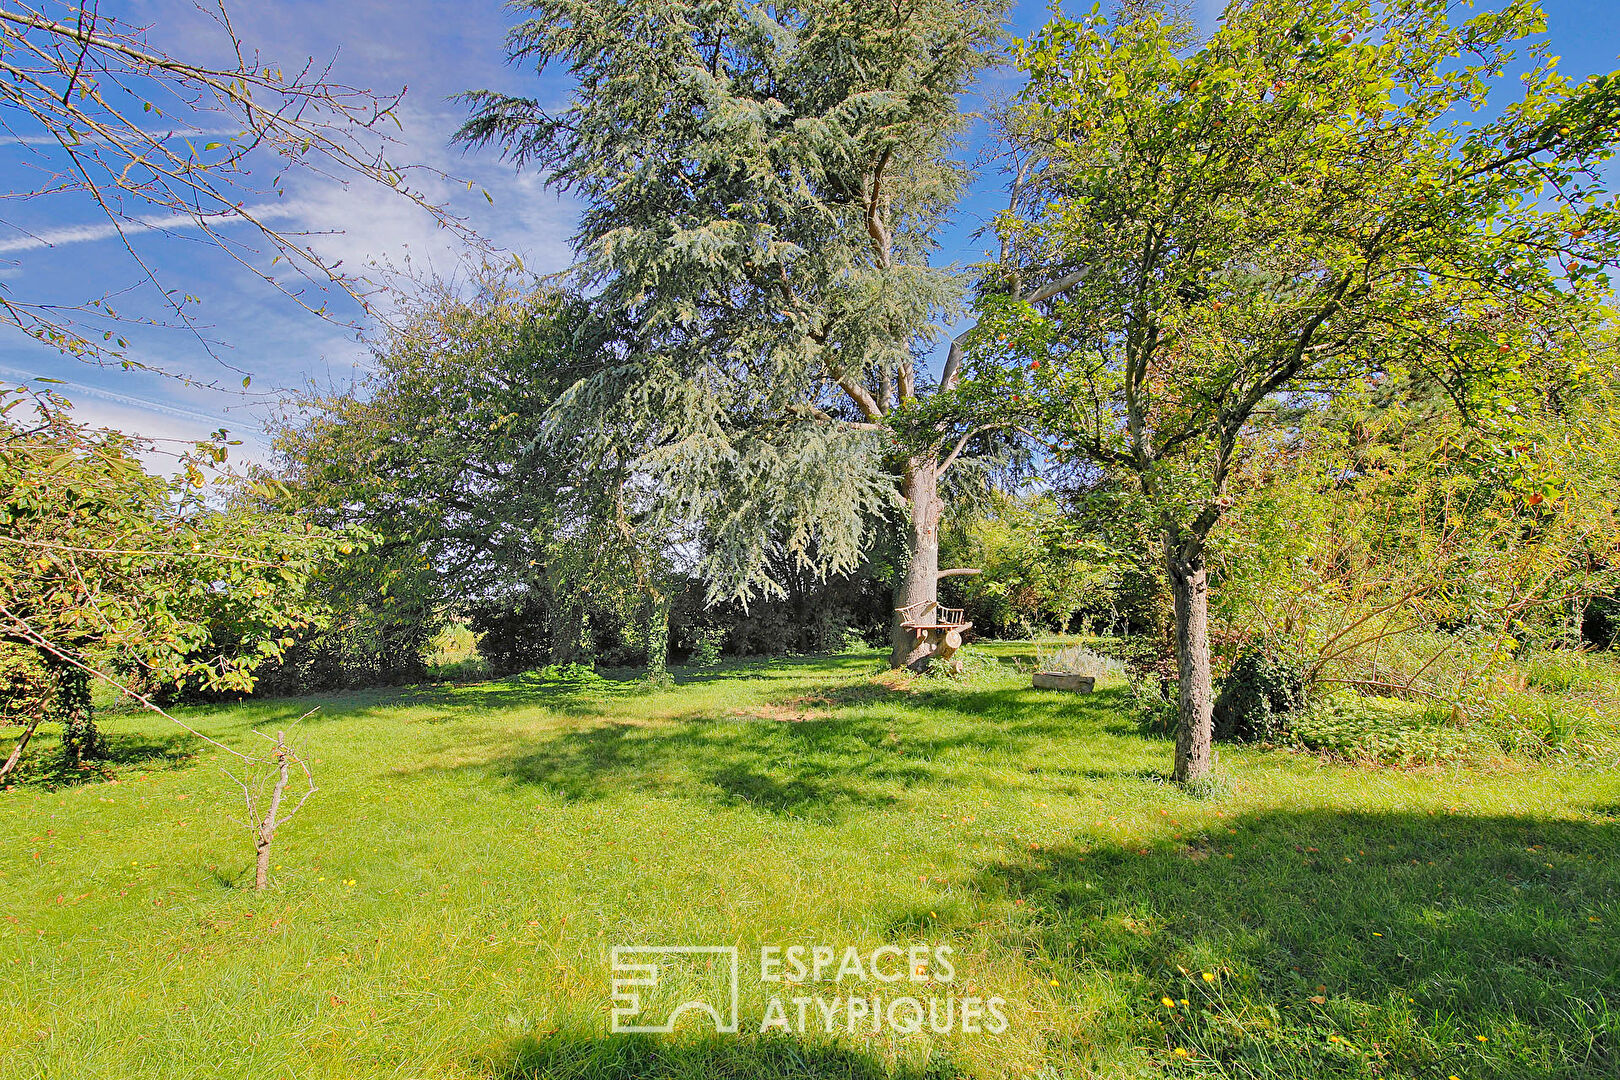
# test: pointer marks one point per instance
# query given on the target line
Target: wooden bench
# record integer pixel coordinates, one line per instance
(942, 627)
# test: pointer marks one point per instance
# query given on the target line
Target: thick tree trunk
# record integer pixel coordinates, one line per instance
(1189, 586)
(920, 488)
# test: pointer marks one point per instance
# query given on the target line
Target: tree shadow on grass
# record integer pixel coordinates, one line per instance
(811, 753)
(633, 1057)
(579, 691)
(1343, 944)
(804, 764)
(576, 692)
(814, 770)
(45, 766)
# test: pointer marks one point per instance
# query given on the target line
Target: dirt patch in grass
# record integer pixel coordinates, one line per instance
(792, 711)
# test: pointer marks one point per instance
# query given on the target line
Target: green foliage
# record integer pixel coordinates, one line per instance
(1582, 728)
(1040, 566)
(761, 186)
(26, 688)
(971, 668)
(1291, 202)
(1144, 657)
(816, 615)
(494, 515)
(1155, 701)
(1379, 729)
(1562, 670)
(706, 647)
(515, 634)
(159, 584)
(453, 656)
(1321, 194)
(1385, 519)
(1263, 689)
(81, 741)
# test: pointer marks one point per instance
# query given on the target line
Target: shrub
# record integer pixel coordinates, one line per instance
(706, 643)
(1263, 689)
(971, 668)
(854, 641)
(1156, 704)
(1561, 670)
(1144, 656)
(514, 632)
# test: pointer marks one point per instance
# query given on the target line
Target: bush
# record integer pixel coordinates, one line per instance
(1263, 689)
(365, 648)
(1561, 670)
(1145, 656)
(706, 643)
(1157, 704)
(854, 641)
(514, 632)
(971, 668)
(452, 655)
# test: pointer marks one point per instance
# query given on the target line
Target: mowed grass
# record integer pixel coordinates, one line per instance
(445, 905)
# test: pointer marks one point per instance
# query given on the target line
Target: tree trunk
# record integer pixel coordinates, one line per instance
(1189, 587)
(266, 834)
(18, 748)
(81, 740)
(920, 488)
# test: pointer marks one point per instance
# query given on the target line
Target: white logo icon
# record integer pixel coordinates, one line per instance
(635, 969)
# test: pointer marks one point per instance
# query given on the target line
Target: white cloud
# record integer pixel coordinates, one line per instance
(380, 43)
(134, 227)
(361, 223)
(172, 428)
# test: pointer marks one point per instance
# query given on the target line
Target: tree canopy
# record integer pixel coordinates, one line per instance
(109, 571)
(763, 188)
(1321, 193)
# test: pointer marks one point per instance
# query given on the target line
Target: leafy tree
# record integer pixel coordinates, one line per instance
(763, 184)
(446, 451)
(1317, 194)
(1040, 566)
(107, 571)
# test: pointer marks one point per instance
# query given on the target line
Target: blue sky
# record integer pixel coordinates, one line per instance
(434, 48)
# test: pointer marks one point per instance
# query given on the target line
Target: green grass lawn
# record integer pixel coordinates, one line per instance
(445, 905)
